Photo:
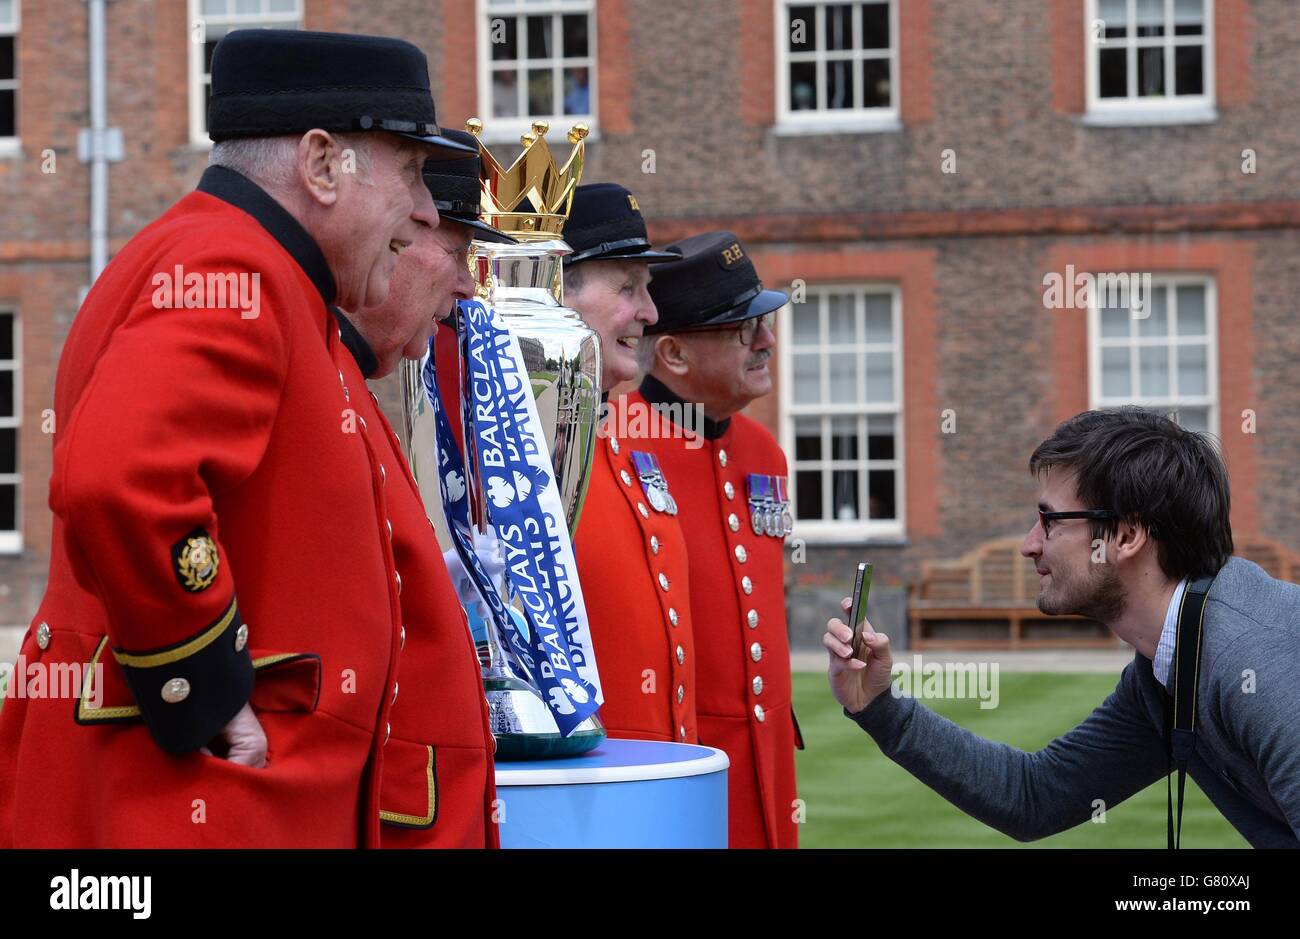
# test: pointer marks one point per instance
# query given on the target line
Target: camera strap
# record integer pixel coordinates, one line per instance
(1186, 675)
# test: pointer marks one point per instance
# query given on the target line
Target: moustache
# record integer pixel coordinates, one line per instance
(759, 359)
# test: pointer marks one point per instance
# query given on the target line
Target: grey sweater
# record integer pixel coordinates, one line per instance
(1247, 757)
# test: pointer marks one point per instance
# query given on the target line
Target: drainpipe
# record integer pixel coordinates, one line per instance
(98, 144)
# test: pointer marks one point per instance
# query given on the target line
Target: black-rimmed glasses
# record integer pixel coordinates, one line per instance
(1046, 518)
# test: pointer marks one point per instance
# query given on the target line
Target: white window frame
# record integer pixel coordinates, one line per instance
(197, 86)
(831, 530)
(1170, 402)
(839, 120)
(11, 146)
(11, 541)
(509, 129)
(1166, 109)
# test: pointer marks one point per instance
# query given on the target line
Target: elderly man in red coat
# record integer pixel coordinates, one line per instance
(630, 549)
(222, 556)
(710, 347)
(439, 673)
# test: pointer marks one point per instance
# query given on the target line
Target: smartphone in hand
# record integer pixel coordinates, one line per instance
(858, 610)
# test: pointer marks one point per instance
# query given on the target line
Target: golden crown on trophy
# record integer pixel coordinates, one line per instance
(533, 182)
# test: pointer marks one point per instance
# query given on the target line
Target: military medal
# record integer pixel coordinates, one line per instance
(787, 519)
(756, 489)
(653, 483)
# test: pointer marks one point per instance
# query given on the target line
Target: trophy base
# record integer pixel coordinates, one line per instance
(525, 729)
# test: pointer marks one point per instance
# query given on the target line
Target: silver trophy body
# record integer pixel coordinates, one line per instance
(524, 284)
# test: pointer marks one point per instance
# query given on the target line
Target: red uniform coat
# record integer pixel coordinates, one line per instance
(438, 787)
(214, 518)
(738, 612)
(636, 582)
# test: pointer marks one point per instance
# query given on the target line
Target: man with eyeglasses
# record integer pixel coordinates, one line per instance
(1132, 531)
(711, 347)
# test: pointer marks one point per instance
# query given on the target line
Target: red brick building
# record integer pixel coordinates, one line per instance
(912, 169)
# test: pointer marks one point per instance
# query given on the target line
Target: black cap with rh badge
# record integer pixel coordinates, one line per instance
(711, 283)
(274, 82)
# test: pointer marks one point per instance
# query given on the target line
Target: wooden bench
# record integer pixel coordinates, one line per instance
(956, 601)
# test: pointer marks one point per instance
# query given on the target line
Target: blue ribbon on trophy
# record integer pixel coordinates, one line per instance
(455, 503)
(504, 436)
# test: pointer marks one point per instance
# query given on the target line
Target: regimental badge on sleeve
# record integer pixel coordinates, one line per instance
(769, 506)
(653, 482)
(196, 560)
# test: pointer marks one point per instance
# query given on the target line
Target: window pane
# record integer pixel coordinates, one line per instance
(575, 35)
(875, 83)
(880, 438)
(1157, 322)
(1188, 71)
(8, 507)
(839, 84)
(882, 493)
(880, 320)
(1189, 15)
(1114, 14)
(806, 332)
(808, 438)
(803, 29)
(840, 319)
(7, 57)
(880, 377)
(1191, 311)
(1197, 419)
(808, 485)
(505, 93)
(215, 7)
(839, 26)
(1114, 73)
(844, 438)
(1151, 72)
(541, 98)
(281, 6)
(503, 34)
(843, 372)
(845, 495)
(1114, 373)
(7, 394)
(539, 37)
(875, 26)
(1193, 373)
(1153, 370)
(807, 379)
(1114, 323)
(6, 337)
(803, 86)
(8, 449)
(577, 91)
(244, 7)
(1150, 17)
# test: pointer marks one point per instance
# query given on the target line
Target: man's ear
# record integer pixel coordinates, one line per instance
(320, 166)
(673, 353)
(1130, 539)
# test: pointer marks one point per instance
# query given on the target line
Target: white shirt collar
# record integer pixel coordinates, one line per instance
(1164, 657)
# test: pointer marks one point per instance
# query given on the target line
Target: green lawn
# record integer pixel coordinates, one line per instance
(855, 797)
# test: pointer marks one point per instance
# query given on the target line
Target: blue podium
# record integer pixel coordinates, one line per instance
(623, 794)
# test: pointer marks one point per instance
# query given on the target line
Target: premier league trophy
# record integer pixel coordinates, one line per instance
(528, 378)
